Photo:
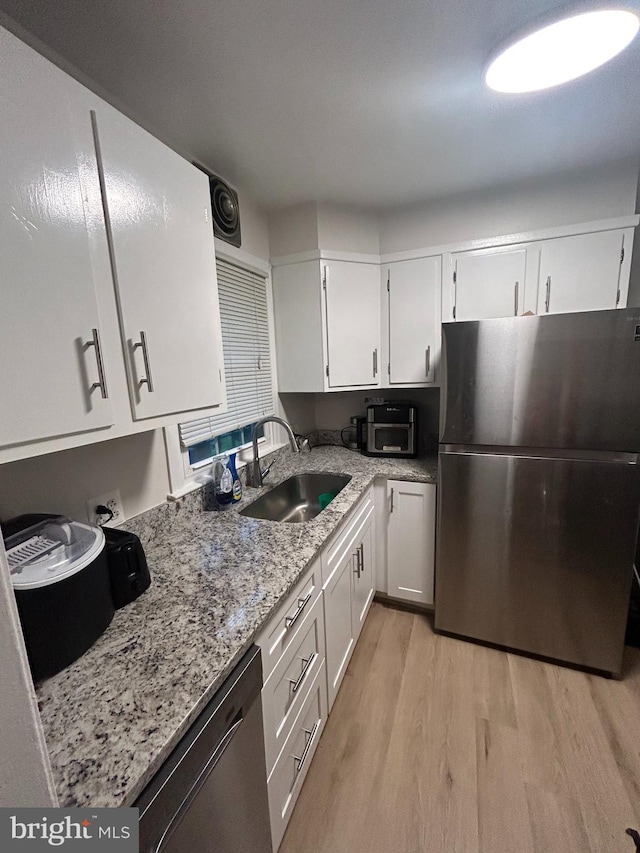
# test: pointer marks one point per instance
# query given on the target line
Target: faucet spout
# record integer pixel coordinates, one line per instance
(254, 474)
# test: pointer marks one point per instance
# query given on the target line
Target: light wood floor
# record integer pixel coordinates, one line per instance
(435, 745)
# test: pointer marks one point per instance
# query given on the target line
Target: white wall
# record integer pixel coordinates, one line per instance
(305, 227)
(254, 231)
(346, 229)
(293, 229)
(332, 411)
(566, 199)
(299, 410)
(633, 299)
(62, 482)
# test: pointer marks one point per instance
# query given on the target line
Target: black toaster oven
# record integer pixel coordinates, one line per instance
(392, 429)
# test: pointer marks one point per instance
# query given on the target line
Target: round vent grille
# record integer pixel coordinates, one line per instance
(225, 210)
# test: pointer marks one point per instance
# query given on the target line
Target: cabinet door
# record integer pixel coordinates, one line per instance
(159, 216)
(338, 629)
(489, 284)
(411, 540)
(362, 580)
(49, 352)
(414, 289)
(352, 293)
(580, 273)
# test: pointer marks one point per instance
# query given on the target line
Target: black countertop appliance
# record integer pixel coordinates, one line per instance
(392, 429)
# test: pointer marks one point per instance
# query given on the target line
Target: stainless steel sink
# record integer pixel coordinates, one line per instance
(296, 498)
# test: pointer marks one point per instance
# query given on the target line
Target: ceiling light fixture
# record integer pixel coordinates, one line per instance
(562, 51)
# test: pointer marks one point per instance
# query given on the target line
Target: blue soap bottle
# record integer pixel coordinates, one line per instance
(237, 484)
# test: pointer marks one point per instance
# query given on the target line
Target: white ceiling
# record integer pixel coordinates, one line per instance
(365, 102)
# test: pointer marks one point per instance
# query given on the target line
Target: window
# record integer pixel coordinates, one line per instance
(246, 344)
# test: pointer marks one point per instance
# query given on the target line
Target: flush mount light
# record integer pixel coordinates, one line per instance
(562, 51)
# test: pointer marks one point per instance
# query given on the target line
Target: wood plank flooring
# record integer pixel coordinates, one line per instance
(435, 745)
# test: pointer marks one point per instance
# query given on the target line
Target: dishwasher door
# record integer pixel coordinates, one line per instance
(210, 795)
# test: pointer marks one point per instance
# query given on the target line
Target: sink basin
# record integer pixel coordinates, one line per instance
(296, 498)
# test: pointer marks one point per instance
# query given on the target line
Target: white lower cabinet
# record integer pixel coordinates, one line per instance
(288, 774)
(306, 646)
(289, 682)
(411, 532)
(347, 572)
(337, 614)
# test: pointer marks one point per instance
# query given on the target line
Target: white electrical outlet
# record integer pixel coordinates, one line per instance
(110, 500)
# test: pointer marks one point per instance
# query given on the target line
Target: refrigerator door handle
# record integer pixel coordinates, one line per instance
(515, 299)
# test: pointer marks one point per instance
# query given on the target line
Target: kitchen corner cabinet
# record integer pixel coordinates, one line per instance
(327, 325)
(411, 532)
(585, 272)
(413, 290)
(109, 298)
(348, 573)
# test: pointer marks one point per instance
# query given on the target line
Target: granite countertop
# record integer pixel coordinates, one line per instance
(112, 717)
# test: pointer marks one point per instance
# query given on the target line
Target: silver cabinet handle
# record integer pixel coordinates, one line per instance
(146, 380)
(359, 561)
(391, 506)
(308, 663)
(302, 603)
(547, 301)
(356, 571)
(102, 382)
(515, 299)
(427, 361)
(311, 737)
(375, 363)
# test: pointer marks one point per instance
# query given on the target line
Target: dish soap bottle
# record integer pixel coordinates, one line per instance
(237, 485)
(224, 483)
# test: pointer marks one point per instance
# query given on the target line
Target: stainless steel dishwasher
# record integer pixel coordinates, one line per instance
(211, 793)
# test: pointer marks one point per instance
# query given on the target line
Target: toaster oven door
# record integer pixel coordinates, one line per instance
(396, 439)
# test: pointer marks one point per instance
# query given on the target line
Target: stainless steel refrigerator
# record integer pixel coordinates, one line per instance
(539, 483)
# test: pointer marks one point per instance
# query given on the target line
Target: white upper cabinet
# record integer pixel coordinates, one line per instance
(52, 379)
(159, 222)
(102, 329)
(413, 313)
(584, 273)
(352, 294)
(327, 325)
(489, 283)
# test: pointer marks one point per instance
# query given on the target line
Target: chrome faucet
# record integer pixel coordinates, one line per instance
(254, 474)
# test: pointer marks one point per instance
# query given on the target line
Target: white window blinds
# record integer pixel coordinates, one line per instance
(247, 356)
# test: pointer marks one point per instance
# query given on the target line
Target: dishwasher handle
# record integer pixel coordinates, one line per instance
(216, 755)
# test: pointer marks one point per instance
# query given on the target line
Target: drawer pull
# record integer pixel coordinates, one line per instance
(308, 663)
(302, 603)
(311, 737)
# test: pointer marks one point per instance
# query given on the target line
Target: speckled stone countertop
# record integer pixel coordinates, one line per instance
(112, 717)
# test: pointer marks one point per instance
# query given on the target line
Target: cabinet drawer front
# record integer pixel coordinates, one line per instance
(283, 627)
(285, 690)
(287, 776)
(345, 541)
